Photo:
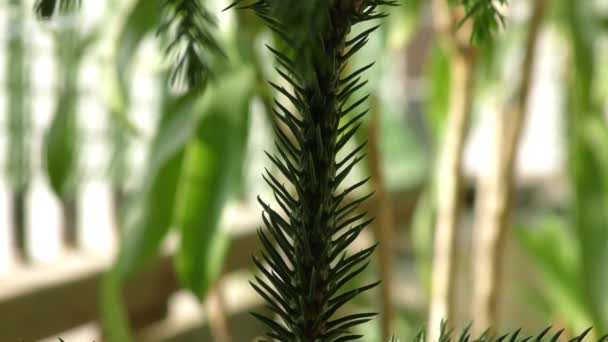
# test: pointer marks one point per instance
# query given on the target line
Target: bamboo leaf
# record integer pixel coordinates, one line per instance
(209, 178)
(140, 21)
(114, 320)
(554, 248)
(152, 212)
(61, 146)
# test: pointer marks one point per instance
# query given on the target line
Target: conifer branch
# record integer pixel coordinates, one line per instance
(466, 335)
(486, 16)
(188, 26)
(304, 257)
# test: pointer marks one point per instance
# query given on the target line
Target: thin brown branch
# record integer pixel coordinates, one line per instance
(496, 188)
(218, 317)
(384, 224)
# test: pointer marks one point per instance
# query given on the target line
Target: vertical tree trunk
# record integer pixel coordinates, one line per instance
(384, 225)
(448, 179)
(448, 192)
(496, 188)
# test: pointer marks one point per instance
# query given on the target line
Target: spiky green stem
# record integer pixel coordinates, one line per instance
(305, 254)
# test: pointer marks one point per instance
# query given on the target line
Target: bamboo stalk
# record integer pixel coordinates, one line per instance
(496, 188)
(448, 179)
(384, 225)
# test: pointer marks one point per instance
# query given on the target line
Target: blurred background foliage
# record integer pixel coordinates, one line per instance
(204, 152)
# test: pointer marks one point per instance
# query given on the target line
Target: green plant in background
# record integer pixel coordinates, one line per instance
(195, 162)
(136, 25)
(61, 141)
(18, 164)
(572, 250)
(196, 157)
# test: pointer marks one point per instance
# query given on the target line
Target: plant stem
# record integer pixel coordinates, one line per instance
(449, 177)
(496, 188)
(384, 224)
(218, 317)
(318, 161)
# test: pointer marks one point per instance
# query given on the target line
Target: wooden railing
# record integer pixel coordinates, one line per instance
(38, 301)
(42, 301)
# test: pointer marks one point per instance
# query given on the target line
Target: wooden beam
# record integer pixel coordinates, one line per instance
(45, 300)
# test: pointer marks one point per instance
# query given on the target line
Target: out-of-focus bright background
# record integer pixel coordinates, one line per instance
(89, 136)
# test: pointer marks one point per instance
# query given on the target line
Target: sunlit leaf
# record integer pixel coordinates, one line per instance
(209, 177)
(61, 146)
(551, 244)
(150, 217)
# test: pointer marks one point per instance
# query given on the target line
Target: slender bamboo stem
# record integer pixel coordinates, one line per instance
(449, 173)
(496, 187)
(384, 224)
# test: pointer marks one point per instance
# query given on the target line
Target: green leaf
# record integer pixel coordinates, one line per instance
(113, 313)
(438, 99)
(211, 172)
(142, 20)
(152, 213)
(61, 147)
(550, 244)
